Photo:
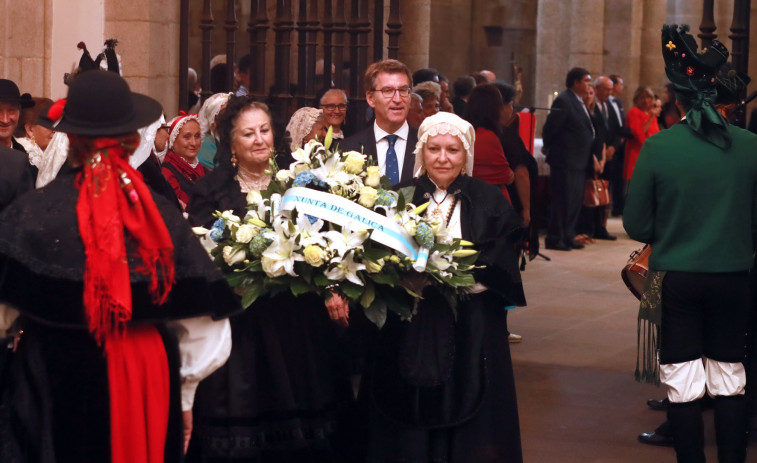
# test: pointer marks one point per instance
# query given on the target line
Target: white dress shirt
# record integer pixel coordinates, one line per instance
(382, 146)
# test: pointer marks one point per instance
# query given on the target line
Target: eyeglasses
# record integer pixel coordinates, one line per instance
(332, 107)
(388, 92)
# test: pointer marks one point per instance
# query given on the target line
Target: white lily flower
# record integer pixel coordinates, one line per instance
(346, 268)
(200, 231)
(230, 217)
(331, 171)
(310, 233)
(279, 258)
(347, 239)
(440, 260)
(254, 197)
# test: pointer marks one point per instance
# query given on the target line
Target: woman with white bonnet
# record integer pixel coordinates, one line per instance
(306, 124)
(442, 384)
(181, 167)
(207, 118)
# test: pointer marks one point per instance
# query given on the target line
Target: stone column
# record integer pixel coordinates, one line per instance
(651, 65)
(23, 51)
(570, 34)
(148, 36)
(415, 38)
(450, 51)
(623, 20)
(553, 24)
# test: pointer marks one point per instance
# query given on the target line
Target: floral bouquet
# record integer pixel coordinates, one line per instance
(331, 223)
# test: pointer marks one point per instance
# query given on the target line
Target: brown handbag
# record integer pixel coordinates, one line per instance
(596, 192)
(634, 273)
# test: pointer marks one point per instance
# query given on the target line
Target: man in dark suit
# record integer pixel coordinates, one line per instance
(614, 140)
(389, 140)
(15, 177)
(614, 168)
(568, 134)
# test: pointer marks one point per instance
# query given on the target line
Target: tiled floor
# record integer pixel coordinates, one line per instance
(577, 397)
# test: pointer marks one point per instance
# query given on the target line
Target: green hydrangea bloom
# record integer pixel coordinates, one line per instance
(424, 235)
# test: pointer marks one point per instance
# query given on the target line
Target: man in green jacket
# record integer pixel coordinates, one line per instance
(693, 197)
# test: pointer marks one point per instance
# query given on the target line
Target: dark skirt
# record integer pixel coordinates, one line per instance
(55, 401)
(275, 400)
(470, 413)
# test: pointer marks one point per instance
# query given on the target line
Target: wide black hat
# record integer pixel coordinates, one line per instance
(101, 103)
(683, 60)
(9, 93)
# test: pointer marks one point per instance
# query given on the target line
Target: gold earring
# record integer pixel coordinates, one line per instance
(462, 171)
(233, 159)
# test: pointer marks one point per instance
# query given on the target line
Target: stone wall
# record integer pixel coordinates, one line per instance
(148, 36)
(24, 52)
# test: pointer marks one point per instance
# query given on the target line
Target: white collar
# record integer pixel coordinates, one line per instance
(380, 133)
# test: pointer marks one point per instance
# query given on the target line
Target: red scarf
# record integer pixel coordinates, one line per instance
(190, 173)
(113, 196)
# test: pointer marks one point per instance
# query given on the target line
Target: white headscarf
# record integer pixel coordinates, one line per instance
(54, 157)
(176, 124)
(146, 144)
(210, 110)
(301, 124)
(443, 123)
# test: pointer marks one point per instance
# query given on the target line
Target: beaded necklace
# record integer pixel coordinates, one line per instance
(438, 210)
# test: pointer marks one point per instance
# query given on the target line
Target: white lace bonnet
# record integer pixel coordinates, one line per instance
(301, 124)
(443, 123)
(176, 124)
(210, 109)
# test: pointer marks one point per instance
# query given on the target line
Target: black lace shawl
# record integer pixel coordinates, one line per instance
(42, 262)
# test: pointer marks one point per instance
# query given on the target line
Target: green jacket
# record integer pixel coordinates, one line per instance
(695, 203)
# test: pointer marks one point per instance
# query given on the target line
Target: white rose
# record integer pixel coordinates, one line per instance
(368, 197)
(282, 175)
(246, 233)
(373, 177)
(354, 162)
(268, 267)
(313, 255)
(233, 257)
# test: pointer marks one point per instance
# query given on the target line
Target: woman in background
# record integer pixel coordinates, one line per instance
(181, 166)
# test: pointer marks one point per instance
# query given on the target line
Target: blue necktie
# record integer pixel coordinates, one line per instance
(392, 168)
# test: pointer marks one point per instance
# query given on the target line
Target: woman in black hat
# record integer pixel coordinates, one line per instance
(96, 267)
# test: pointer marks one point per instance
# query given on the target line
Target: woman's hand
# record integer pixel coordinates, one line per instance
(339, 309)
(597, 165)
(187, 428)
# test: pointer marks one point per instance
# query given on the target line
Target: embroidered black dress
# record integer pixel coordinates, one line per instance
(441, 387)
(54, 404)
(276, 398)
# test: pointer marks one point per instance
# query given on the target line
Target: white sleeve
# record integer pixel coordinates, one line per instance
(204, 346)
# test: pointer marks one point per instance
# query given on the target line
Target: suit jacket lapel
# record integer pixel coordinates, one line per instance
(409, 162)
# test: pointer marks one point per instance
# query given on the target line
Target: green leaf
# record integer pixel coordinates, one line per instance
(376, 313)
(351, 290)
(298, 287)
(369, 295)
(251, 293)
(383, 278)
(305, 271)
(320, 280)
(236, 278)
(462, 280)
